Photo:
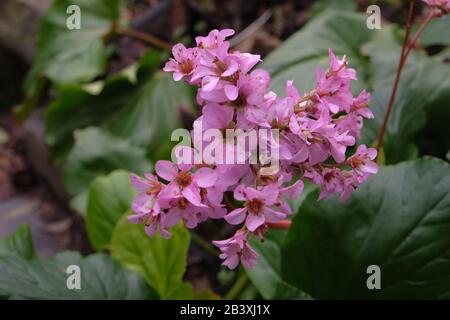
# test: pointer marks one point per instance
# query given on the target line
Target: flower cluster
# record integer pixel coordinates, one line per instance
(315, 131)
(441, 7)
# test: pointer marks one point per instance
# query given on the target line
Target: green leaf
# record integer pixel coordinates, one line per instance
(144, 112)
(299, 56)
(266, 275)
(19, 243)
(436, 33)
(68, 56)
(398, 220)
(161, 261)
(97, 153)
(323, 5)
(109, 199)
(46, 278)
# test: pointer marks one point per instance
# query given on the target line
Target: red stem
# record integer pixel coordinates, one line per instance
(419, 31)
(401, 63)
(282, 224)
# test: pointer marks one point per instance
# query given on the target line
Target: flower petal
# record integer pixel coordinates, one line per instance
(254, 221)
(237, 216)
(166, 170)
(205, 177)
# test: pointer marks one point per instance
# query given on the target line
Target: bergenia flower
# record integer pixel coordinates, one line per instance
(362, 162)
(442, 6)
(153, 218)
(183, 183)
(235, 250)
(184, 63)
(315, 129)
(257, 207)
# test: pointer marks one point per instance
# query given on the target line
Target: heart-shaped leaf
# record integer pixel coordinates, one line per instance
(74, 55)
(161, 261)
(23, 276)
(109, 199)
(266, 275)
(46, 278)
(399, 220)
(97, 153)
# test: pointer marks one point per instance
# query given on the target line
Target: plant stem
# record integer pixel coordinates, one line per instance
(282, 224)
(397, 78)
(238, 286)
(204, 244)
(419, 31)
(144, 37)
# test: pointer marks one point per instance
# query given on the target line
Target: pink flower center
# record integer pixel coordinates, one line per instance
(155, 189)
(183, 179)
(255, 205)
(186, 66)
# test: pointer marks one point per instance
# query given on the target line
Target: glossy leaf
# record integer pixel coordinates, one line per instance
(266, 275)
(46, 278)
(97, 153)
(161, 261)
(74, 55)
(399, 220)
(109, 198)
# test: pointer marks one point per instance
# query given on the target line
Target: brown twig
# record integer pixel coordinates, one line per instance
(144, 37)
(397, 77)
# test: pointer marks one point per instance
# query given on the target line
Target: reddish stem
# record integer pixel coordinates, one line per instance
(401, 63)
(419, 31)
(282, 224)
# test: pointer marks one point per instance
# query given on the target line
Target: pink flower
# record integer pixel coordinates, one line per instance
(153, 219)
(257, 209)
(183, 183)
(236, 249)
(362, 162)
(360, 105)
(184, 64)
(147, 187)
(442, 6)
(314, 129)
(190, 214)
(333, 92)
(339, 67)
(214, 39)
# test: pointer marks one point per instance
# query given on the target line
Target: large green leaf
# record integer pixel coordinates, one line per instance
(97, 153)
(161, 261)
(19, 243)
(109, 199)
(67, 56)
(399, 220)
(266, 275)
(436, 33)
(145, 111)
(46, 278)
